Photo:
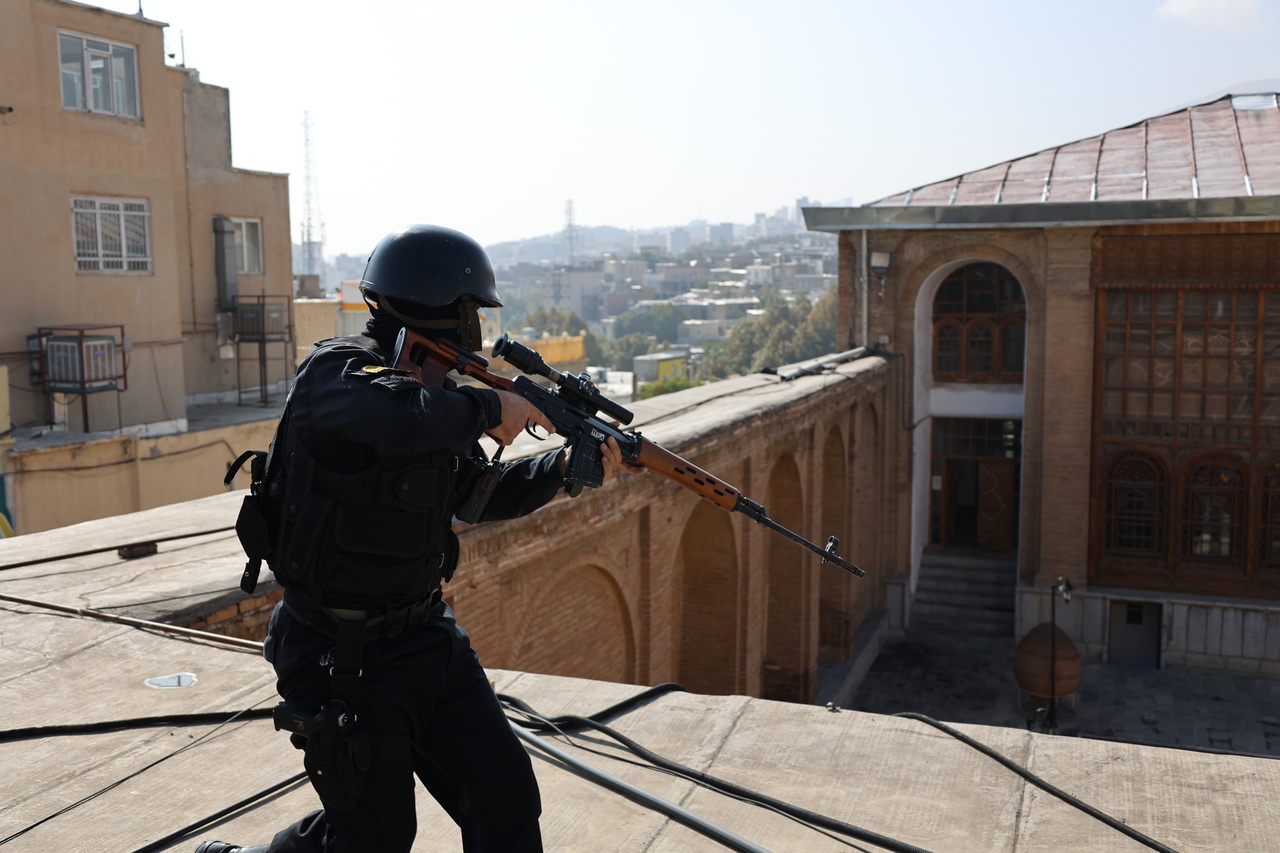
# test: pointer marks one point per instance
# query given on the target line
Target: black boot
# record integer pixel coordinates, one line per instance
(224, 847)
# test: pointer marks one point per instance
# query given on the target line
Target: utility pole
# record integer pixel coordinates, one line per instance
(312, 224)
(568, 231)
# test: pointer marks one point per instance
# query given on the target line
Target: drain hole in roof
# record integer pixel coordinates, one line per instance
(178, 679)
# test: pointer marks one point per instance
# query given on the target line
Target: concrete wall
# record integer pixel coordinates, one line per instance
(1239, 636)
(314, 320)
(69, 483)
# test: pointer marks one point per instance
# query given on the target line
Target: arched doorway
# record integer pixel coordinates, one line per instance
(979, 320)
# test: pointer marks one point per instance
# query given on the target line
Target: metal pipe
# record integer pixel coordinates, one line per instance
(677, 813)
(866, 272)
(818, 365)
(247, 645)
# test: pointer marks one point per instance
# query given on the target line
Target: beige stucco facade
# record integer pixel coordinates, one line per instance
(170, 326)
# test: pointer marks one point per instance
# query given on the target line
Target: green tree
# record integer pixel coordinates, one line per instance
(785, 333)
(666, 386)
(562, 321)
(555, 321)
(620, 353)
(660, 321)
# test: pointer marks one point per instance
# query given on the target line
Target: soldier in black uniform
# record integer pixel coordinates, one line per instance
(365, 475)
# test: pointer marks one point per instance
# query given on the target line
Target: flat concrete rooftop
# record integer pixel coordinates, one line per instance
(891, 775)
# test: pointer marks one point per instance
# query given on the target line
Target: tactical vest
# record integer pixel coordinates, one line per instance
(380, 536)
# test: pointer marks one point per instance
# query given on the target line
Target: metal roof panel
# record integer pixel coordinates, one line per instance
(1122, 164)
(1170, 165)
(939, 193)
(982, 186)
(1260, 140)
(1225, 148)
(1218, 157)
(1026, 180)
(1075, 170)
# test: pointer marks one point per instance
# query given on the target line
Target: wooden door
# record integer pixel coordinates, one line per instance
(997, 508)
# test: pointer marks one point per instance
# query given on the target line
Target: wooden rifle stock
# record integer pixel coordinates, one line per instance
(663, 462)
(430, 361)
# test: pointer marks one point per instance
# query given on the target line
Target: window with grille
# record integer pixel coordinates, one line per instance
(112, 235)
(979, 326)
(98, 76)
(1214, 508)
(1270, 539)
(1136, 517)
(1187, 378)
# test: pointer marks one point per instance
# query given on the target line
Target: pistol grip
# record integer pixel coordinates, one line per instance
(585, 466)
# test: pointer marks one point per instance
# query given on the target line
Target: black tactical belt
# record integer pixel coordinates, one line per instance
(386, 623)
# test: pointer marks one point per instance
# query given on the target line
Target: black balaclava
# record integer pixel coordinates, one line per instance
(457, 322)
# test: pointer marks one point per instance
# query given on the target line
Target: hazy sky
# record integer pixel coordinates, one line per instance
(487, 115)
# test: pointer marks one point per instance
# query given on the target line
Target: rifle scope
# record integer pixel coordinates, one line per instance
(580, 388)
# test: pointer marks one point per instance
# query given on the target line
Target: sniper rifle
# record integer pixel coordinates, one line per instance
(572, 407)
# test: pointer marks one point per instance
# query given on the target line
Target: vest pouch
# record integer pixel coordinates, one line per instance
(382, 554)
(305, 521)
(385, 532)
(413, 490)
(252, 529)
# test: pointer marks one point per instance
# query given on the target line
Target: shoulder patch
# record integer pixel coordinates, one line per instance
(382, 368)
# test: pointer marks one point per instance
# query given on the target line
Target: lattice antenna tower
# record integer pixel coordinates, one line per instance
(312, 224)
(568, 231)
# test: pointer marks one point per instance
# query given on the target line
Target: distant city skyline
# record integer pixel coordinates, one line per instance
(488, 116)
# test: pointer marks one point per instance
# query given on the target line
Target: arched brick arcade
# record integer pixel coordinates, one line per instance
(708, 572)
(644, 582)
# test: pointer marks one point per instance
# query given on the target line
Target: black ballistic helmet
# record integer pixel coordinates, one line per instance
(426, 265)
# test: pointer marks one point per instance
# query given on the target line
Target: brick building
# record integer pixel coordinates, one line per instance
(1091, 336)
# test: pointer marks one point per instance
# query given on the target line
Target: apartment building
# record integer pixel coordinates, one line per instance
(143, 272)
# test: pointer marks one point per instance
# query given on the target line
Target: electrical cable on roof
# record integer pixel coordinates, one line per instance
(105, 548)
(721, 785)
(567, 737)
(178, 834)
(680, 815)
(1117, 825)
(570, 721)
(132, 723)
(89, 797)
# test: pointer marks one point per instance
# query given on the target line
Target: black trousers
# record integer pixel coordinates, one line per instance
(429, 711)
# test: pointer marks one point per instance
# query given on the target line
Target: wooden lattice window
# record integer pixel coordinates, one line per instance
(1187, 368)
(1270, 540)
(946, 348)
(1013, 340)
(1213, 510)
(1136, 514)
(979, 326)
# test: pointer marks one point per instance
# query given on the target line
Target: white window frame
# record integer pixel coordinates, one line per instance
(248, 256)
(120, 93)
(111, 235)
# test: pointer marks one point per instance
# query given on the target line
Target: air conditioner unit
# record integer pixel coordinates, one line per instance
(261, 321)
(69, 368)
